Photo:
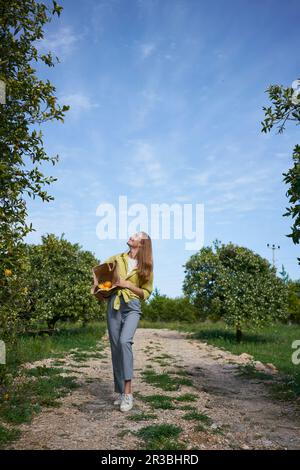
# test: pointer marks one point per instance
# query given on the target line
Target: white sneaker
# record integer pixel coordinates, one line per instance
(127, 402)
(118, 401)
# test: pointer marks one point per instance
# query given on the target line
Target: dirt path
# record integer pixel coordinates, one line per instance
(242, 411)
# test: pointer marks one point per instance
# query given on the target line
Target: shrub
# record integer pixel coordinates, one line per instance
(162, 308)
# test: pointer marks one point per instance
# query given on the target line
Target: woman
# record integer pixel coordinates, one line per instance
(124, 310)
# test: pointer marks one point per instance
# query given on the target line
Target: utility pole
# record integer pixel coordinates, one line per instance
(273, 248)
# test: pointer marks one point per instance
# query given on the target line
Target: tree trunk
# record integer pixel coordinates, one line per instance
(52, 322)
(238, 335)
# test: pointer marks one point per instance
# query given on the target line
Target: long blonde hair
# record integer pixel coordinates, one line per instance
(145, 257)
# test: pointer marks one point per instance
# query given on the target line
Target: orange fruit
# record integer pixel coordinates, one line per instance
(107, 284)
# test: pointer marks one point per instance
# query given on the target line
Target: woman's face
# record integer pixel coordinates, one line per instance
(134, 240)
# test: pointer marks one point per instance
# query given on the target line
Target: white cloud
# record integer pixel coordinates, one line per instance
(149, 99)
(55, 217)
(201, 179)
(242, 193)
(78, 102)
(147, 49)
(144, 168)
(61, 42)
(231, 189)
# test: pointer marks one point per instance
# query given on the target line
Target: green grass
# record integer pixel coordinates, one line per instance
(164, 380)
(183, 373)
(27, 398)
(158, 401)
(249, 371)
(79, 366)
(270, 344)
(200, 427)
(195, 415)
(163, 356)
(124, 433)
(187, 408)
(30, 349)
(286, 389)
(80, 356)
(187, 397)
(43, 371)
(97, 356)
(58, 362)
(161, 437)
(142, 416)
(7, 435)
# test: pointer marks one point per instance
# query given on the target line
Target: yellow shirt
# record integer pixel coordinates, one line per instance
(122, 259)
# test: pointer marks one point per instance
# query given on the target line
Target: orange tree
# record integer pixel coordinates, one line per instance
(59, 280)
(236, 285)
(28, 103)
(293, 296)
(294, 300)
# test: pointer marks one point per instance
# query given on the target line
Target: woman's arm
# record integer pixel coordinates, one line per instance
(129, 285)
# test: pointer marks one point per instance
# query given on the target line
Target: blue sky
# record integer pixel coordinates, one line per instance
(166, 102)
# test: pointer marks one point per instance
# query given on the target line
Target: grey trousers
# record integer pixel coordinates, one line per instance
(121, 325)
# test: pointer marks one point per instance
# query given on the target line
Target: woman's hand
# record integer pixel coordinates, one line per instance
(122, 283)
(131, 286)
